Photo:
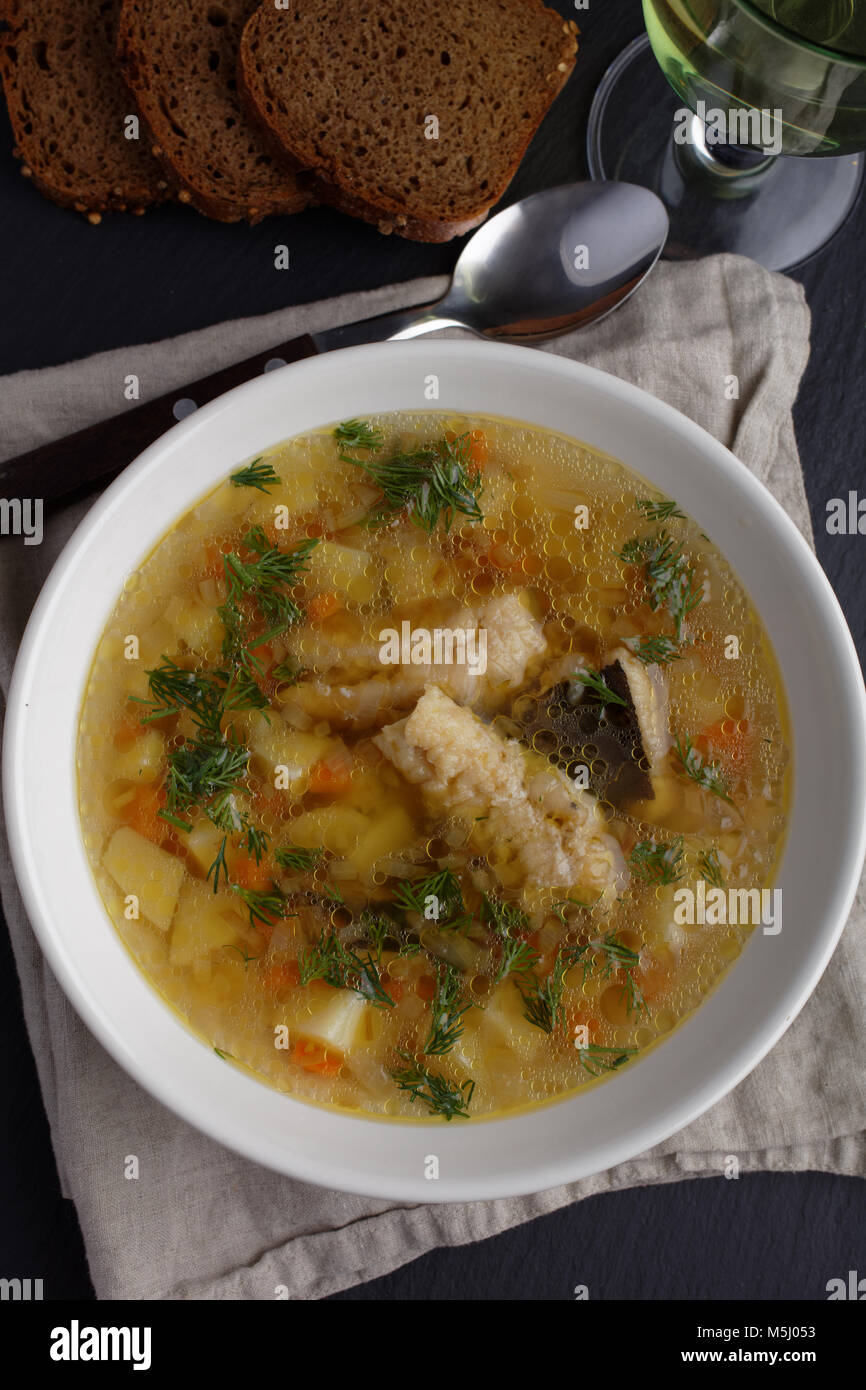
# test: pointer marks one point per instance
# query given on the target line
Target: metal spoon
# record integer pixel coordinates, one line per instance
(554, 261)
(557, 260)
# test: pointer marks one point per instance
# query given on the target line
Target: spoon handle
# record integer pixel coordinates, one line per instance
(91, 457)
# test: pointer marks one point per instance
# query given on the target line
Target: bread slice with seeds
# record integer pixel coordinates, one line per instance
(69, 107)
(180, 59)
(413, 117)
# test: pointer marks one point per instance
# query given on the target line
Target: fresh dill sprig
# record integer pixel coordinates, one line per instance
(174, 688)
(711, 869)
(255, 842)
(596, 1059)
(444, 887)
(343, 968)
(442, 1097)
(262, 904)
(595, 682)
(558, 908)
(446, 1012)
(219, 866)
(432, 482)
(377, 928)
(542, 998)
(659, 511)
(242, 952)
(264, 582)
(257, 474)
(705, 774)
(656, 862)
(659, 650)
(508, 923)
(358, 434)
(669, 578)
(608, 954)
(207, 773)
(301, 861)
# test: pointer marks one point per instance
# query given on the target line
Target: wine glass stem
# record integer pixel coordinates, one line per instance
(733, 171)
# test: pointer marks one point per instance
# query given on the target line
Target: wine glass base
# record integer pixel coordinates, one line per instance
(789, 212)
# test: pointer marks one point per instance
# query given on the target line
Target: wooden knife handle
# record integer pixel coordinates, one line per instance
(91, 457)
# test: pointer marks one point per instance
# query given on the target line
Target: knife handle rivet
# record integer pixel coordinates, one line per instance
(274, 364)
(182, 408)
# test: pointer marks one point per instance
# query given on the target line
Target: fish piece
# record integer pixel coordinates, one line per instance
(513, 639)
(554, 830)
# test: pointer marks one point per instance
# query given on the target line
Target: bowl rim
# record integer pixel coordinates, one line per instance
(198, 1109)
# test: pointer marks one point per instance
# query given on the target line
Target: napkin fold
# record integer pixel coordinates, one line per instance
(726, 343)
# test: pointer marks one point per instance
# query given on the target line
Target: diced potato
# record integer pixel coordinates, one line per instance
(142, 761)
(339, 828)
(193, 623)
(389, 832)
(155, 641)
(344, 569)
(503, 1016)
(203, 922)
(411, 572)
(203, 843)
(276, 745)
(339, 1022)
(138, 866)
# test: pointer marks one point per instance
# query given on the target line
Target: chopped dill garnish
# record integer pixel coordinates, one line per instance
(174, 688)
(508, 923)
(431, 482)
(442, 1097)
(659, 511)
(656, 862)
(358, 434)
(711, 869)
(263, 904)
(255, 842)
(343, 968)
(224, 1056)
(242, 952)
(705, 774)
(256, 474)
(446, 1012)
(669, 578)
(542, 998)
(264, 583)
(558, 908)
(595, 682)
(607, 954)
(659, 650)
(378, 928)
(447, 910)
(219, 866)
(300, 860)
(596, 1059)
(206, 773)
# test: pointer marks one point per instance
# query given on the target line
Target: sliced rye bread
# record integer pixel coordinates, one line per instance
(180, 59)
(345, 88)
(68, 105)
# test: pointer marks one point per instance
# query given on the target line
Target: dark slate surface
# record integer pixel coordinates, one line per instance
(68, 289)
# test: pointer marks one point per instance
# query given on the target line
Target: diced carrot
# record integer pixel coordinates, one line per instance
(395, 989)
(282, 975)
(314, 1058)
(426, 987)
(331, 776)
(730, 739)
(248, 874)
(214, 566)
(141, 813)
(651, 980)
(264, 654)
(477, 451)
(129, 728)
(321, 606)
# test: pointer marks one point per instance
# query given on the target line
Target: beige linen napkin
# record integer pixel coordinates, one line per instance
(202, 1223)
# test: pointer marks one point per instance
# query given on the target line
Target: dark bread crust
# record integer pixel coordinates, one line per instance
(67, 103)
(537, 53)
(179, 58)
